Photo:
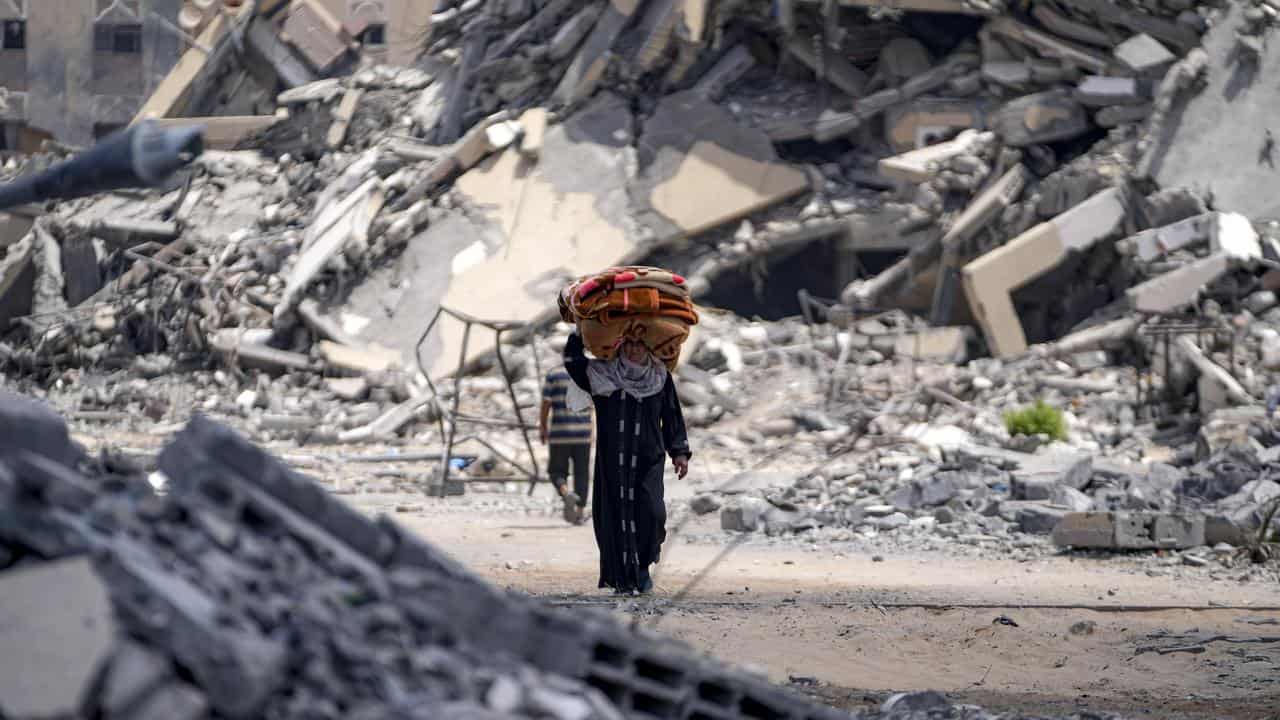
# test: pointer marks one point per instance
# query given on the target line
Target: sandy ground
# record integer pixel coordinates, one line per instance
(1050, 635)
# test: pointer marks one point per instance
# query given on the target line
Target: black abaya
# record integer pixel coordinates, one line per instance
(633, 438)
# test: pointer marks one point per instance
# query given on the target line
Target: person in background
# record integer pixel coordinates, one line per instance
(568, 437)
(638, 420)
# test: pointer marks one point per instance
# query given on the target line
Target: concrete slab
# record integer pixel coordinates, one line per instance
(1100, 91)
(1179, 288)
(1198, 149)
(1040, 118)
(920, 165)
(939, 344)
(927, 121)
(1144, 55)
(690, 145)
(989, 280)
(1151, 244)
(370, 359)
(56, 633)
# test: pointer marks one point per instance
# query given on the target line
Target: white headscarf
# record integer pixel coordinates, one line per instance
(639, 380)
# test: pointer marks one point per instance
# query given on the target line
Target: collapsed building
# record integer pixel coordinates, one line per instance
(973, 205)
(1024, 179)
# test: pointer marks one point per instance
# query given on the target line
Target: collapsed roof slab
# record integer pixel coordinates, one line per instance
(1216, 140)
(700, 168)
(990, 280)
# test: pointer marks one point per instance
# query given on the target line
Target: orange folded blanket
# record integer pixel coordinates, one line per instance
(650, 305)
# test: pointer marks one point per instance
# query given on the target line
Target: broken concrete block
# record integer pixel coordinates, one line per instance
(350, 389)
(1151, 244)
(135, 671)
(1099, 91)
(1179, 288)
(317, 34)
(743, 515)
(428, 110)
(1233, 235)
(1040, 118)
(1070, 498)
(1036, 519)
(1010, 73)
(989, 280)
(230, 342)
(534, 123)
(1085, 530)
(1213, 376)
(1144, 55)
(322, 91)
(1222, 529)
(982, 210)
(704, 504)
(1032, 487)
(369, 359)
(1130, 531)
(917, 166)
(927, 121)
(56, 633)
(1178, 531)
(939, 344)
(342, 117)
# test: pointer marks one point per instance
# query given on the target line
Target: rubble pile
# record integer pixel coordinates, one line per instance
(1011, 170)
(241, 589)
(949, 129)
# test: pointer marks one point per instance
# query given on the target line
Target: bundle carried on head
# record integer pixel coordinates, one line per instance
(649, 305)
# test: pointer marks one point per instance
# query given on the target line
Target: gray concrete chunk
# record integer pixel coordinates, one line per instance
(56, 633)
(1144, 55)
(134, 671)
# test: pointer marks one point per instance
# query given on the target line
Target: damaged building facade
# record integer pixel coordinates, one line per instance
(75, 70)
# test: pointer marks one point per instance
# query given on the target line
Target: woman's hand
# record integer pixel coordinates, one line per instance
(681, 463)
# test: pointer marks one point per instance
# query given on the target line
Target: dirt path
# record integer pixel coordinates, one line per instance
(1049, 635)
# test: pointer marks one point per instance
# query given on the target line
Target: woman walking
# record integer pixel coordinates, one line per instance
(638, 422)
